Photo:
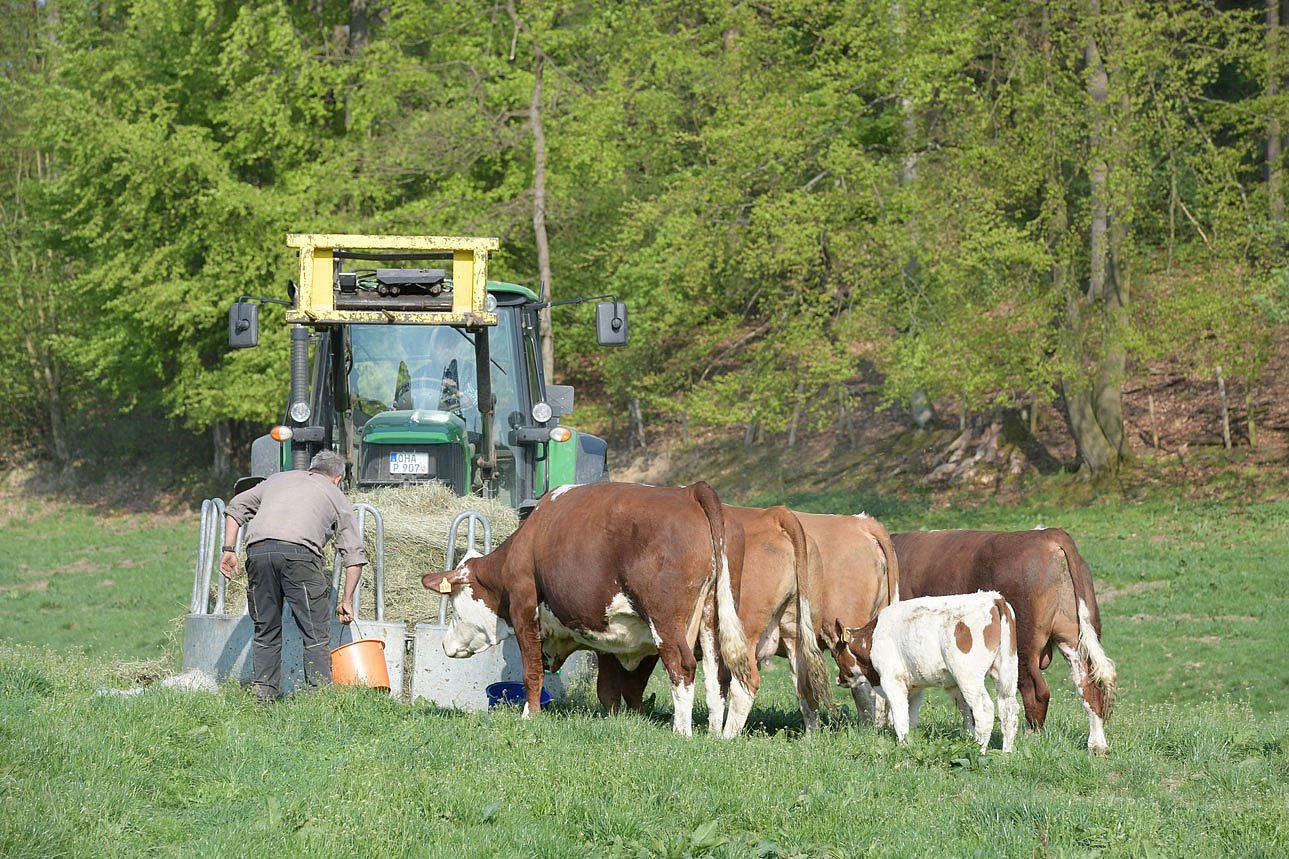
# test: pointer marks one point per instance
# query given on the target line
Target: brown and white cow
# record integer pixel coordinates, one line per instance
(618, 568)
(774, 600)
(850, 573)
(950, 642)
(854, 574)
(771, 596)
(1047, 582)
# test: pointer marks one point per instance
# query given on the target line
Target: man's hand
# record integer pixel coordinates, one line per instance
(345, 611)
(228, 564)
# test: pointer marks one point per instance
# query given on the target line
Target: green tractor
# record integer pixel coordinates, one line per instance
(423, 374)
(416, 368)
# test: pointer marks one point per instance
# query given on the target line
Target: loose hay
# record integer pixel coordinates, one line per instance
(416, 520)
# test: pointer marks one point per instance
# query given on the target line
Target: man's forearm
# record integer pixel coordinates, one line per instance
(352, 575)
(230, 531)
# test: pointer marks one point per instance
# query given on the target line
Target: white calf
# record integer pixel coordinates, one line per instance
(949, 642)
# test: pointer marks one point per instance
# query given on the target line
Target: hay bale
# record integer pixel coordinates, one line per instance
(416, 520)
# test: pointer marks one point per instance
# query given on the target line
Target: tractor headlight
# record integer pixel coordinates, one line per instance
(542, 412)
(300, 412)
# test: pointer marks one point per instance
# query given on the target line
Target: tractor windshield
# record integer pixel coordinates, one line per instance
(401, 367)
(408, 368)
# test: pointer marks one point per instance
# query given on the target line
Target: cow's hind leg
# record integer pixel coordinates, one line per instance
(1033, 690)
(1090, 695)
(681, 667)
(715, 678)
(796, 661)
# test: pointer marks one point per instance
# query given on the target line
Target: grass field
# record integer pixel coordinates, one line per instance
(1194, 610)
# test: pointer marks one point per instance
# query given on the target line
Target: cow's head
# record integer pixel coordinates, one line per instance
(476, 623)
(852, 649)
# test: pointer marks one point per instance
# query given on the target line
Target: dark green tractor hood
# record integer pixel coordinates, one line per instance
(415, 426)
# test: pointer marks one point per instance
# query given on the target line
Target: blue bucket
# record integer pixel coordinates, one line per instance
(504, 693)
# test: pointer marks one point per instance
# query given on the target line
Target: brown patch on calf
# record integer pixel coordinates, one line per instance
(962, 637)
(993, 630)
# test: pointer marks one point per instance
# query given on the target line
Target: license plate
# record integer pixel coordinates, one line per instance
(409, 462)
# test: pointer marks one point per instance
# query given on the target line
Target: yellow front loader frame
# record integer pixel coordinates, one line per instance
(315, 302)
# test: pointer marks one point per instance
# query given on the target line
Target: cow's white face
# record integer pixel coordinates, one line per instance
(475, 627)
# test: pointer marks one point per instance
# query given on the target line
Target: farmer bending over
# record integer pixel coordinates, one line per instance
(292, 515)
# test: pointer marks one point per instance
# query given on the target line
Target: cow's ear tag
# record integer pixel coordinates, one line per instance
(445, 587)
(845, 636)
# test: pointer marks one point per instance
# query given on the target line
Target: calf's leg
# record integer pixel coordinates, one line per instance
(897, 701)
(915, 705)
(982, 713)
(616, 687)
(968, 720)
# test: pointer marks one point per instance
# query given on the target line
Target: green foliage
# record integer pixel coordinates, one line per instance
(779, 190)
(1216, 317)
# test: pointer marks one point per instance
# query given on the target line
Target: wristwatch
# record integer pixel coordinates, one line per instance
(228, 548)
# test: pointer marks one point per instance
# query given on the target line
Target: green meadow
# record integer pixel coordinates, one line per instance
(1194, 612)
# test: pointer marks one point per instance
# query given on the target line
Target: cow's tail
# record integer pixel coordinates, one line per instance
(883, 538)
(812, 671)
(1102, 670)
(731, 639)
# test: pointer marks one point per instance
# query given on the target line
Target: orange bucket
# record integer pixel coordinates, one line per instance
(360, 663)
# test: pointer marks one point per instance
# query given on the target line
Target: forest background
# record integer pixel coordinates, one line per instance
(822, 215)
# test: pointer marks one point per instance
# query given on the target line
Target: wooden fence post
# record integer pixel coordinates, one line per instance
(1226, 414)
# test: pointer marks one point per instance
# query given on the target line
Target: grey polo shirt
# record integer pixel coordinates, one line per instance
(299, 507)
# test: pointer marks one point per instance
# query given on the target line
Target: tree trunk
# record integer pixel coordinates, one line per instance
(844, 421)
(539, 191)
(221, 436)
(635, 425)
(1248, 408)
(359, 25)
(358, 36)
(796, 416)
(1275, 134)
(1094, 402)
(539, 220)
(1154, 429)
(1226, 412)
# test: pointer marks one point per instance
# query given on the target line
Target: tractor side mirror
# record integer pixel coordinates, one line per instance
(611, 323)
(560, 399)
(243, 325)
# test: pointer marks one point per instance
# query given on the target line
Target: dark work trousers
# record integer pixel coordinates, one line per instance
(279, 570)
